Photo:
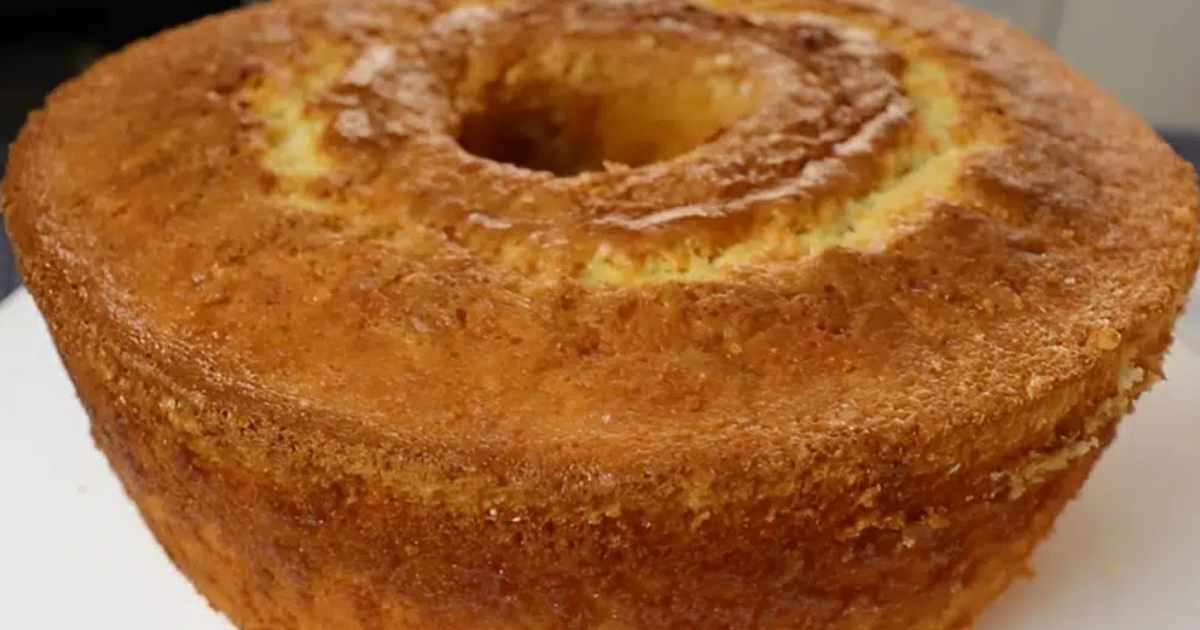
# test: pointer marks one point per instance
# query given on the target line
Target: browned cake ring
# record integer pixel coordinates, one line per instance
(608, 315)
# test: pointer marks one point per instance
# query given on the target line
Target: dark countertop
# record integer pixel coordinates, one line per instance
(8, 273)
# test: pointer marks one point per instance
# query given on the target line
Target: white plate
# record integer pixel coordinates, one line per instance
(73, 553)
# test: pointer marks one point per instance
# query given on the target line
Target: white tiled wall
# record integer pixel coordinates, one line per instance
(1146, 52)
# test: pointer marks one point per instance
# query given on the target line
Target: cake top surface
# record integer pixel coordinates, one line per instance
(605, 229)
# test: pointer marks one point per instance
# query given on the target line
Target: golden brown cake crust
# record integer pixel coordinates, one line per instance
(812, 349)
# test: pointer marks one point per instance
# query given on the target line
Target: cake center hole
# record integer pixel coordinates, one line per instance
(577, 107)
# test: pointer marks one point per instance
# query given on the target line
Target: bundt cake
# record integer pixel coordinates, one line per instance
(600, 314)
